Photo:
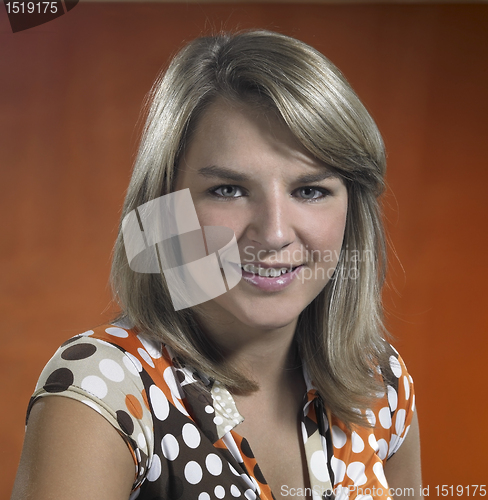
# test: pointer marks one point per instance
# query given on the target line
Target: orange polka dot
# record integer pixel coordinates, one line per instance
(144, 398)
(133, 406)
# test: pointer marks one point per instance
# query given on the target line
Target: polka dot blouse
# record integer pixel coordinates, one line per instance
(179, 425)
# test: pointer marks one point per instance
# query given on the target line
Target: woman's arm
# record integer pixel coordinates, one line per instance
(70, 451)
(402, 470)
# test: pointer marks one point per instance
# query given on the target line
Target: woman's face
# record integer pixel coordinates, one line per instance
(246, 171)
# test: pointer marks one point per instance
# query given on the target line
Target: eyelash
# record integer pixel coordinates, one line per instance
(324, 192)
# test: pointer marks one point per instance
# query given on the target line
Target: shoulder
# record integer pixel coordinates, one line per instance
(360, 453)
(115, 371)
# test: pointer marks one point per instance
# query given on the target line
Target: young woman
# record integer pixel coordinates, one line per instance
(283, 385)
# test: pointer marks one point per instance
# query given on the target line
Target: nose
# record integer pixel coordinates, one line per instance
(272, 224)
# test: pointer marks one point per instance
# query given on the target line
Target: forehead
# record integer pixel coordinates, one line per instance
(246, 137)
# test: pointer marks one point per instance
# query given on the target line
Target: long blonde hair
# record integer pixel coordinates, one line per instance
(340, 335)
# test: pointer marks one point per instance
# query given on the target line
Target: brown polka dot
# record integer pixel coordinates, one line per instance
(59, 380)
(246, 449)
(125, 422)
(259, 475)
(69, 341)
(133, 406)
(79, 351)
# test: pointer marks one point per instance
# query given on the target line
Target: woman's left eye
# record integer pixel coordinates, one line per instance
(228, 191)
(311, 193)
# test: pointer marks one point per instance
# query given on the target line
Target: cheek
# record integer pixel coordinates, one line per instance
(329, 234)
(217, 215)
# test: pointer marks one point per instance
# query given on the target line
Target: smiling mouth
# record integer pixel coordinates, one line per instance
(268, 272)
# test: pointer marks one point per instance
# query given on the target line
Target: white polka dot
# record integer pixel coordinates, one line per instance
(250, 495)
(159, 402)
(155, 470)
(373, 443)
(219, 491)
(169, 378)
(400, 421)
(371, 417)
(339, 468)
(413, 402)
(132, 363)
(338, 437)
(193, 472)
(395, 443)
(234, 491)
(318, 464)
(392, 398)
(227, 428)
(407, 387)
(191, 436)
(209, 409)
(218, 398)
(145, 356)
(91, 404)
(213, 464)
(355, 471)
(94, 385)
(395, 367)
(170, 447)
(178, 405)
(385, 417)
(153, 347)
(380, 474)
(218, 420)
(383, 449)
(111, 370)
(204, 496)
(357, 443)
(87, 333)
(141, 440)
(117, 332)
(341, 492)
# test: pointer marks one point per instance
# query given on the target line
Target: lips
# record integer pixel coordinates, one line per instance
(270, 279)
(268, 272)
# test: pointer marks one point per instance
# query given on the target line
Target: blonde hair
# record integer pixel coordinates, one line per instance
(340, 334)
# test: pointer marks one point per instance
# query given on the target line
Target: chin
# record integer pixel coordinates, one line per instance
(267, 323)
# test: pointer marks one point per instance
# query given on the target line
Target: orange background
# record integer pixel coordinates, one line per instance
(70, 95)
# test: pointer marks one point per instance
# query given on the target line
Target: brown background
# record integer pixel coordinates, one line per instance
(70, 94)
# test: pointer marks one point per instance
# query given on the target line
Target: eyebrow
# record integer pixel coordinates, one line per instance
(222, 173)
(227, 173)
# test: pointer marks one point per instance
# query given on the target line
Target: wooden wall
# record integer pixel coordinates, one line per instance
(70, 94)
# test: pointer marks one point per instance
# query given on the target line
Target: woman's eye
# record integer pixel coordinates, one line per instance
(228, 191)
(311, 193)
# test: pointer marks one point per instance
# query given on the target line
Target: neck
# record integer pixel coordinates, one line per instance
(267, 356)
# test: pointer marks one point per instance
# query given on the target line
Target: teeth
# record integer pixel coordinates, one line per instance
(269, 272)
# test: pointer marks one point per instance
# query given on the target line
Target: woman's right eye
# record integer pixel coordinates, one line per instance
(227, 191)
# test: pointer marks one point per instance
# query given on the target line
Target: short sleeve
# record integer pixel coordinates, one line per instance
(106, 378)
(398, 408)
